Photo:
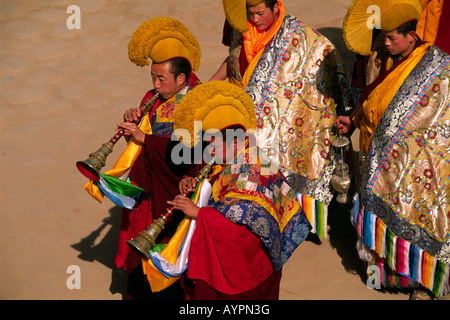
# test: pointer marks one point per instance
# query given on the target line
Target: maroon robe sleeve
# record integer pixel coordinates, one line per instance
(442, 38)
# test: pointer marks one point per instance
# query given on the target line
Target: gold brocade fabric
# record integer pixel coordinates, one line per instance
(406, 177)
(296, 87)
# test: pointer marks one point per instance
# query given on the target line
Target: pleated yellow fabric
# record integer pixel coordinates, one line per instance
(170, 252)
(377, 102)
(125, 161)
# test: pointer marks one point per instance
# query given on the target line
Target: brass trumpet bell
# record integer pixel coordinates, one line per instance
(91, 167)
(147, 238)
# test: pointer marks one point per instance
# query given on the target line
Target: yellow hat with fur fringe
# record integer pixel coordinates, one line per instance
(236, 12)
(364, 15)
(218, 105)
(162, 39)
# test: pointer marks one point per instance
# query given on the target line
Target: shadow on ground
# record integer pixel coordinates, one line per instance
(104, 250)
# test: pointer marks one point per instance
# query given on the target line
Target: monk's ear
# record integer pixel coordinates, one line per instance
(276, 9)
(181, 79)
(411, 36)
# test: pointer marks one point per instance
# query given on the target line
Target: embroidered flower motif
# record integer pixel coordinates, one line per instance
(424, 101)
(386, 166)
(436, 88)
(291, 130)
(444, 130)
(287, 56)
(428, 173)
(405, 90)
(325, 52)
(299, 122)
(406, 196)
(417, 179)
(295, 42)
(287, 94)
(319, 62)
(295, 153)
(326, 142)
(310, 78)
(324, 155)
(432, 134)
(395, 154)
(266, 110)
(259, 123)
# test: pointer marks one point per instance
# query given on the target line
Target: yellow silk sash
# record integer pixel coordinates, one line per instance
(126, 159)
(170, 252)
(379, 99)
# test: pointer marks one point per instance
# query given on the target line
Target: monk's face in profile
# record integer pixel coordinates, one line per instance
(399, 44)
(164, 80)
(263, 17)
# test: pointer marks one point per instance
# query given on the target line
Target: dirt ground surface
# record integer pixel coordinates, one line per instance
(62, 92)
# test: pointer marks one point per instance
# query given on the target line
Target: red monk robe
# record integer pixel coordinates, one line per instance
(241, 272)
(238, 248)
(154, 172)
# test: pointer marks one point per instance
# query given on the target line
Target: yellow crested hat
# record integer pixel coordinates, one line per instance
(236, 12)
(161, 39)
(364, 15)
(218, 105)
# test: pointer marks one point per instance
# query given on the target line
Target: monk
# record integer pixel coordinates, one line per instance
(401, 211)
(296, 80)
(249, 222)
(147, 159)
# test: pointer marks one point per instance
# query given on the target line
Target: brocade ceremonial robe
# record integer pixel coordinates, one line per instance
(296, 86)
(251, 226)
(403, 210)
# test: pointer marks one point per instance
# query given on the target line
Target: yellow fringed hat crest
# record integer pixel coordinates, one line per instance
(218, 105)
(161, 39)
(362, 17)
(236, 12)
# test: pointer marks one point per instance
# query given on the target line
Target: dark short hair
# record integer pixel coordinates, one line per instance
(270, 3)
(179, 66)
(407, 27)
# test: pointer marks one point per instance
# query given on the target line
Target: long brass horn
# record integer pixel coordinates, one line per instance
(146, 239)
(91, 167)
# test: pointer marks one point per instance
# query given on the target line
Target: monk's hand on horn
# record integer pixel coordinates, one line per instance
(187, 185)
(131, 129)
(185, 204)
(132, 115)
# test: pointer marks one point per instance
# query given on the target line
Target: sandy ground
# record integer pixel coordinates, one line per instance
(62, 92)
